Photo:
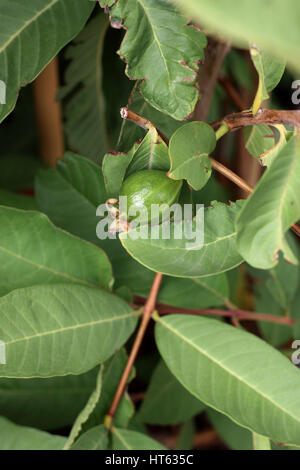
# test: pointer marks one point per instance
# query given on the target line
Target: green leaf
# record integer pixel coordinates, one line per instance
(261, 442)
(123, 439)
(236, 437)
(84, 107)
(276, 296)
(61, 329)
(259, 139)
(33, 251)
(14, 437)
(113, 370)
(243, 22)
(167, 401)
(169, 86)
(270, 72)
(86, 411)
(186, 436)
(36, 31)
(19, 201)
(275, 334)
(174, 257)
(94, 439)
(228, 369)
(271, 210)
(151, 154)
(51, 403)
(18, 171)
(205, 292)
(70, 194)
(114, 168)
(189, 149)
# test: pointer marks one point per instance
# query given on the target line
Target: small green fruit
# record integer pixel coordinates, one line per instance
(148, 187)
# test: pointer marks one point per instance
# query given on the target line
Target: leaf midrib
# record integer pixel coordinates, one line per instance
(72, 328)
(46, 268)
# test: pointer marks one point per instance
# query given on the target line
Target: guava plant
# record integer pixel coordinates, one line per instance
(110, 339)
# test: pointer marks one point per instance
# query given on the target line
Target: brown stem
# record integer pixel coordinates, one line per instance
(239, 314)
(49, 114)
(240, 182)
(264, 116)
(215, 54)
(148, 310)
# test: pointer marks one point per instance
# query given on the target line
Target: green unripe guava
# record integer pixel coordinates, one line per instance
(148, 187)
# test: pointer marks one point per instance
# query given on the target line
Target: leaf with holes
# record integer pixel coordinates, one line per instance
(165, 58)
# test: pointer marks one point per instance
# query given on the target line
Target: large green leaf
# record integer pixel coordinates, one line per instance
(33, 251)
(94, 439)
(272, 25)
(167, 401)
(123, 439)
(35, 31)
(233, 372)
(14, 437)
(166, 58)
(61, 329)
(85, 122)
(271, 210)
(189, 150)
(173, 256)
(51, 403)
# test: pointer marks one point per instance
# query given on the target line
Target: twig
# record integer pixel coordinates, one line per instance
(240, 314)
(148, 310)
(264, 116)
(215, 54)
(49, 114)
